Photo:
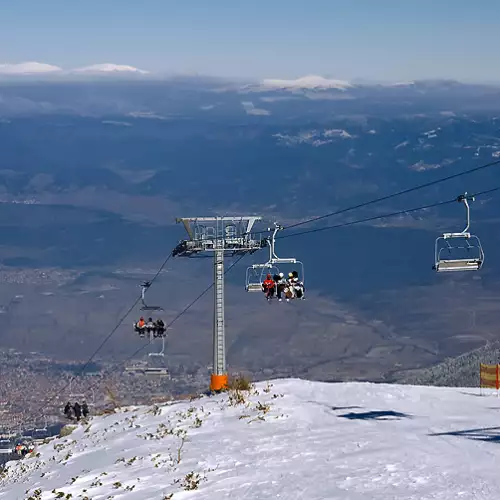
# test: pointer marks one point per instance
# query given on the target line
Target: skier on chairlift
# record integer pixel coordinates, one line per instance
(68, 411)
(159, 328)
(140, 327)
(85, 409)
(78, 410)
(150, 326)
(294, 287)
(297, 285)
(268, 287)
(280, 285)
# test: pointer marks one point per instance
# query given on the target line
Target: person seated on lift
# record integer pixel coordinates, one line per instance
(280, 285)
(297, 285)
(294, 287)
(156, 327)
(159, 328)
(150, 325)
(268, 287)
(140, 327)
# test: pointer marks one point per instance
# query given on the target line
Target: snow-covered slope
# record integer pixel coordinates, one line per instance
(109, 68)
(292, 440)
(306, 82)
(28, 68)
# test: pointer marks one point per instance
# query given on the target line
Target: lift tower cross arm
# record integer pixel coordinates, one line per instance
(222, 236)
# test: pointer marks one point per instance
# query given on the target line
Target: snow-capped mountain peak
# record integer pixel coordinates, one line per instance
(28, 68)
(307, 82)
(402, 84)
(110, 68)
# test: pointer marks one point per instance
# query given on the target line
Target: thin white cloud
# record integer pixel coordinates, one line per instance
(28, 68)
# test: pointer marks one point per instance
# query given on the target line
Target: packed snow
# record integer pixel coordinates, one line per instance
(307, 82)
(289, 439)
(27, 68)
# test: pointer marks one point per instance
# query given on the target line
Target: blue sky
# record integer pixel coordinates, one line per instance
(388, 40)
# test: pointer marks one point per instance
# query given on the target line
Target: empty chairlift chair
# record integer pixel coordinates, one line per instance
(41, 431)
(459, 251)
(145, 285)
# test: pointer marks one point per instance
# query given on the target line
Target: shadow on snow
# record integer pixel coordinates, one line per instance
(376, 415)
(490, 434)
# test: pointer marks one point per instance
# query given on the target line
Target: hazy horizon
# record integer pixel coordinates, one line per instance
(386, 41)
(74, 74)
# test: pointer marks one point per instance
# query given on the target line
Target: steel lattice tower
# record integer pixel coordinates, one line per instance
(222, 236)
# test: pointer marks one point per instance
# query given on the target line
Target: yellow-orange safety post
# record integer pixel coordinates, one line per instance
(489, 377)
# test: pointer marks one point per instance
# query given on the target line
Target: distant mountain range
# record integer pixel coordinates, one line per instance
(29, 69)
(31, 89)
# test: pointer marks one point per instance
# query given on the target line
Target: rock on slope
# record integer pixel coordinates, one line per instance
(292, 439)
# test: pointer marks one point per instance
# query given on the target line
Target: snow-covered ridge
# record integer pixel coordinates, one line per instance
(402, 84)
(292, 439)
(315, 138)
(307, 82)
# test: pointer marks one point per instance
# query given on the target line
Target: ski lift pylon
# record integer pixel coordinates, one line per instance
(465, 252)
(256, 274)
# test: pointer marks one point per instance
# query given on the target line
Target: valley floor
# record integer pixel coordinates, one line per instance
(289, 439)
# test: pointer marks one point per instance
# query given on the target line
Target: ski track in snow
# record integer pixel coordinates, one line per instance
(316, 441)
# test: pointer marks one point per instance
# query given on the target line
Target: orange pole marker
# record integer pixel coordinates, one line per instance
(218, 382)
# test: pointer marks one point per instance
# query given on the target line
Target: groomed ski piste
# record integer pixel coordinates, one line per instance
(285, 439)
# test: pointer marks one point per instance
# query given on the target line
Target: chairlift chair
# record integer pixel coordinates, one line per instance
(145, 285)
(162, 351)
(44, 428)
(156, 371)
(459, 251)
(148, 368)
(142, 332)
(154, 332)
(74, 396)
(256, 274)
(152, 338)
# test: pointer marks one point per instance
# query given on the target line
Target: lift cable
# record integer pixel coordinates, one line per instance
(384, 198)
(358, 221)
(175, 319)
(421, 186)
(398, 193)
(107, 338)
(377, 217)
